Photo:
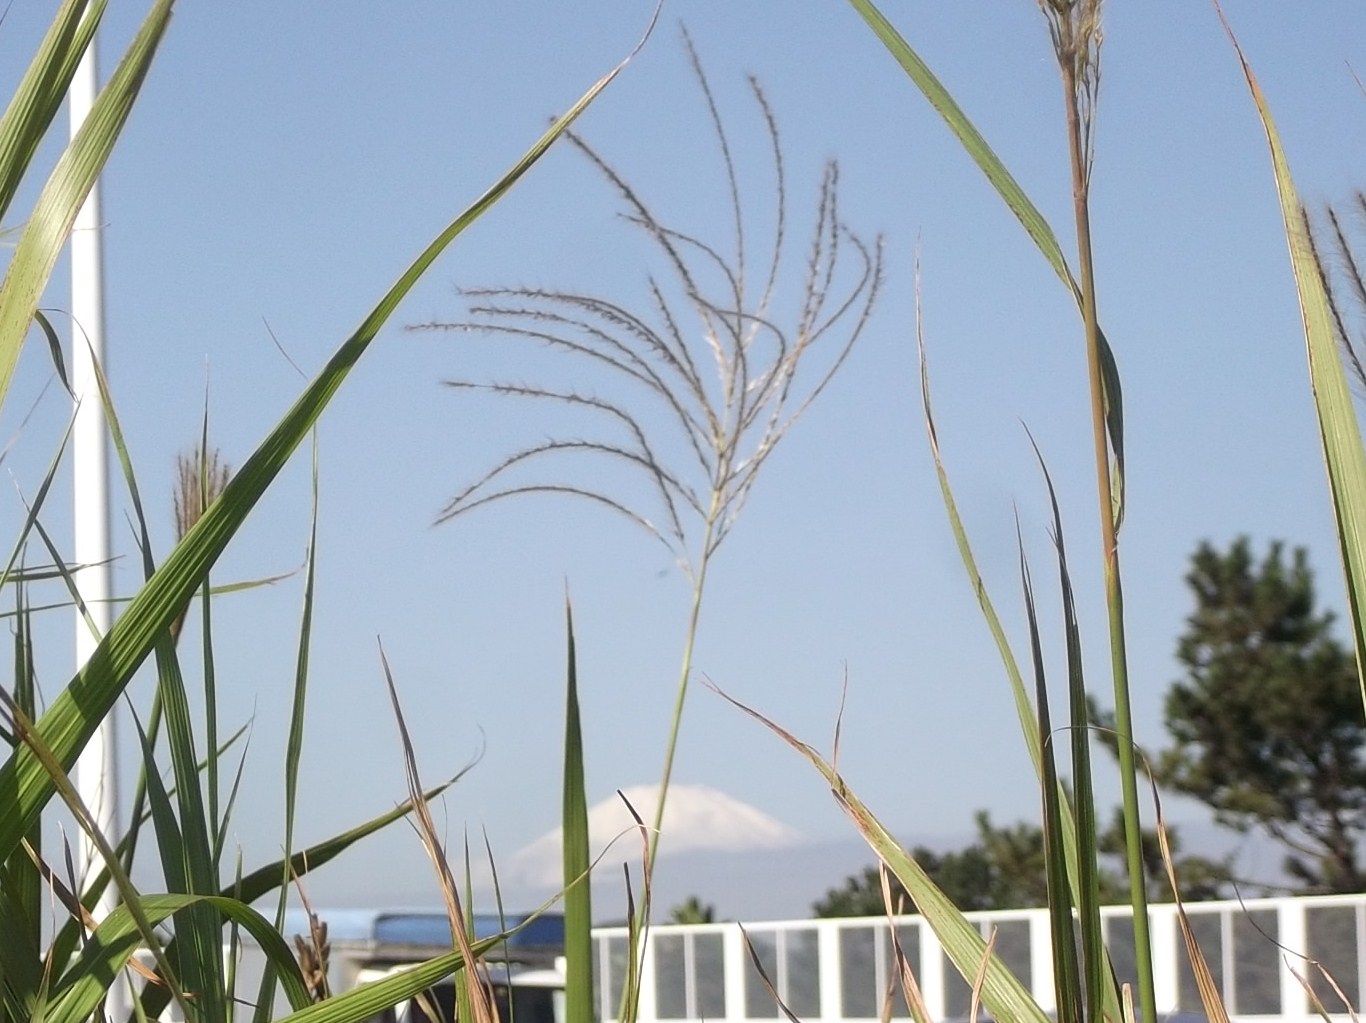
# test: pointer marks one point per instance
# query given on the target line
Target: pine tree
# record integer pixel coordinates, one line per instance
(1267, 723)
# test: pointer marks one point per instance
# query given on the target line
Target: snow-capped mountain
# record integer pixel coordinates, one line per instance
(696, 819)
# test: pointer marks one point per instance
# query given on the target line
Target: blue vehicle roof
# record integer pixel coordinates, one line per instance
(427, 927)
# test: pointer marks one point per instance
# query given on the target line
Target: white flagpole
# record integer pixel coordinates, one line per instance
(97, 769)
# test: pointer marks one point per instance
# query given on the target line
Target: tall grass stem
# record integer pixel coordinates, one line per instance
(1078, 91)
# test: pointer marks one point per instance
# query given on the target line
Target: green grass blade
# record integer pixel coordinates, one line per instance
(295, 740)
(55, 210)
(468, 1004)
(972, 140)
(1097, 979)
(1339, 430)
(578, 901)
(220, 841)
(21, 893)
(266, 879)
(196, 951)
(1023, 707)
(1066, 972)
(54, 349)
(215, 590)
(76, 712)
(362, 1003)
(21, 992)
(38, 98)
(32, 741)
(162, 811)
(215, 822)
(11, 572)
(199, 936)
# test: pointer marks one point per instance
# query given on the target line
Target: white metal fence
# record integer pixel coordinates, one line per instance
(829, 970)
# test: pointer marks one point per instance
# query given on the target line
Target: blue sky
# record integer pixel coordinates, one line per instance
(287, 161)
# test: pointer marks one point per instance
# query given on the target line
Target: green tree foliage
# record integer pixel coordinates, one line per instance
(1266, 725)
(693, 910)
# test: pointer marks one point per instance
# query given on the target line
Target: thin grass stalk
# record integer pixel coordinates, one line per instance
(234, 946)
(680, 699)
(294, 745)
(1210, 996)
(1044, 238)
(631, 995)
(910, 988)
(1076, 37)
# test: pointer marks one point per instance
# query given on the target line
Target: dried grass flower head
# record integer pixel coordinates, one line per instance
(1075, 28)
(201, 475)
(692, 388)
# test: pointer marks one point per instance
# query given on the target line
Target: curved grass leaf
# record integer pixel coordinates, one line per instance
(55, 210)
(75, 714)
(1019, 204)
(266, 879)
(38, 98)
(1005, 995)
(361, 1003)
(82, 986)
(1339, 430)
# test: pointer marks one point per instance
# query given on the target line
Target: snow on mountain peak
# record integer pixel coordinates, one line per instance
(696, 818)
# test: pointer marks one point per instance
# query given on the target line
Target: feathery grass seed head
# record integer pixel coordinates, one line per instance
(704, 378)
